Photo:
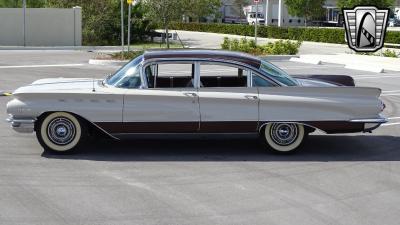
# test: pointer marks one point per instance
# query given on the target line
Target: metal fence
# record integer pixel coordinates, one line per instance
(40, 27)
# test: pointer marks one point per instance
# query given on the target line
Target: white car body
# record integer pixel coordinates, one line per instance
(326, 106)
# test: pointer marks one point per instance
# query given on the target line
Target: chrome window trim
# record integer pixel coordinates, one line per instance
(157, 61)
(146, 63)
(196, 75)
(225, 64)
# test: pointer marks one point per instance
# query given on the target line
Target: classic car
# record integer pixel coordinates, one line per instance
(194, 91)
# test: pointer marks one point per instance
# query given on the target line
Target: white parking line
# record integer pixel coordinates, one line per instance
(390, 124)
(394, 118)
(391, 94)
(376, 77)
(391, 91)
(308, 67)
(40, 66)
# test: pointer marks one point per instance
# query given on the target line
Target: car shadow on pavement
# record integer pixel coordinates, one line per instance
(316, 148)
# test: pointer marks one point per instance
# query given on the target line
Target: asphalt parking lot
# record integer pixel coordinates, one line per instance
(334, 179)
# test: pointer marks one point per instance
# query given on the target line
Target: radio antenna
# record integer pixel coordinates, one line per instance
(93, 88)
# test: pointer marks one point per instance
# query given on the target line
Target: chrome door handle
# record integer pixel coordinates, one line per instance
(191, 94)
(251, 97)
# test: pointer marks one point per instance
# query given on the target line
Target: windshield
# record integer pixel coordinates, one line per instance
(128, 76)
(278, 74)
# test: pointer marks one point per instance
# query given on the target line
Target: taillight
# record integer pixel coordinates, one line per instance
(382, 105)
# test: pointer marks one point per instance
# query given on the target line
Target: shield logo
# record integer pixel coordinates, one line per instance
(365, 28)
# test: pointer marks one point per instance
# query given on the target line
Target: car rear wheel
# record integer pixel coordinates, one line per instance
(284, 137)
(60, 132)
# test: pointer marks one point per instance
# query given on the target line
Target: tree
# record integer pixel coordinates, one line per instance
(352, 3)
(18, 3)
(198, 9)
(140, 25)
(100, 19)
(164, 11)
(239, 4)
(308, 9)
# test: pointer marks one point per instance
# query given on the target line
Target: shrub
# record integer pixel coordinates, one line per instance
(327, 35)
(126, 55)
(272, 48)
(389, 53)
(226, 44)
(282, 48)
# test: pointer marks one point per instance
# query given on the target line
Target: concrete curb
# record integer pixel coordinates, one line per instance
(365, 67)
(374, 64)
(103, 62)
(279, 57)
(306, 60)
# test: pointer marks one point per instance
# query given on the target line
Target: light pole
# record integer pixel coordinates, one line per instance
(129, 23)
(255, 25)
(24, 9)
(122, 26)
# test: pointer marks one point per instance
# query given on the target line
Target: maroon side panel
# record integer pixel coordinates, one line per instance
(334, 127)
(330, 127)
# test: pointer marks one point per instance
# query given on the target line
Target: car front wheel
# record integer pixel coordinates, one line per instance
(284, 137)
(60, 132)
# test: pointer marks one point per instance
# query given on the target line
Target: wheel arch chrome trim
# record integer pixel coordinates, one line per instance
(301, 123)
(84, 118)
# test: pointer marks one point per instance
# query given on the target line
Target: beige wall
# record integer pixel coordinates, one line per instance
(43, 27)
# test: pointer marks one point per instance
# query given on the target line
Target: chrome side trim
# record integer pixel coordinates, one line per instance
(304, 124)
(101, 129)
(376, 120)
(23, 125)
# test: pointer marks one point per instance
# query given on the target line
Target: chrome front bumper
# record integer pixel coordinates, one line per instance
(22, 125)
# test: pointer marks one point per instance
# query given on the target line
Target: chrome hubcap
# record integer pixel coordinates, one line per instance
(61, 131)
(284, 134)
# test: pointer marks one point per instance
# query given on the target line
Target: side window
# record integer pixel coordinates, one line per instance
(259, 81)
(128, 76)
(221, 75)
(131, 79)
(170, 75)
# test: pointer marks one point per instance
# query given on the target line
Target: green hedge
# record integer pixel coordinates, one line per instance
(271, 48)
(327, 35)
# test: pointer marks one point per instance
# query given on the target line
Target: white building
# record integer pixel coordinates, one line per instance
(275, 13)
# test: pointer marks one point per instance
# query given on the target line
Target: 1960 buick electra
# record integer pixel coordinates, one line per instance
(194, 91)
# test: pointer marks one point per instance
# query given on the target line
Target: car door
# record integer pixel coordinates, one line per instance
(166, 103)
(228, 103)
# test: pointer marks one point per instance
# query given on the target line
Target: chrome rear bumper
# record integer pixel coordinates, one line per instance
(22, 125)
(371, 124)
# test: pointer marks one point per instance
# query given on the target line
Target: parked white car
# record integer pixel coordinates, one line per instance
(194, 91)
(252, 19)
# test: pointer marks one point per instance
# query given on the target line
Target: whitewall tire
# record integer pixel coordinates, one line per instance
(284, 137)
(60, 132)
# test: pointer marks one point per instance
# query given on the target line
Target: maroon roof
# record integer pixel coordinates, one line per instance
(204, 54)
